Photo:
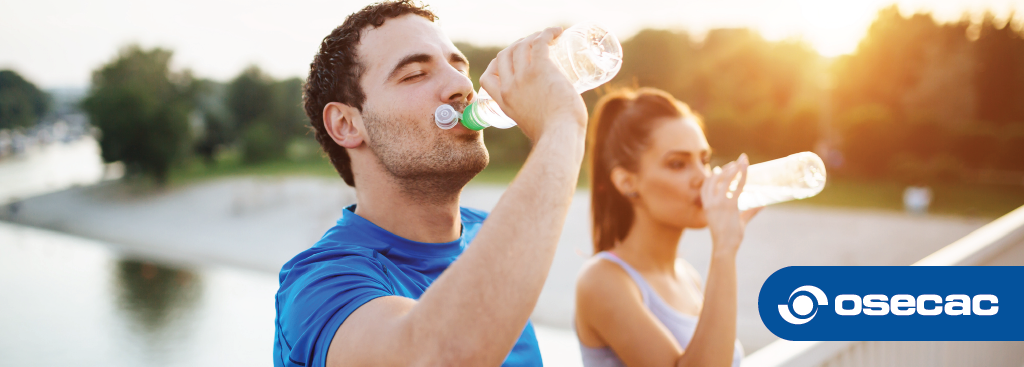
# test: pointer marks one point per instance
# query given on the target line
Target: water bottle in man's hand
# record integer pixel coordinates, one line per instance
(586, 53)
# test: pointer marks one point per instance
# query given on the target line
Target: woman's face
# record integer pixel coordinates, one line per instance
(671, 172)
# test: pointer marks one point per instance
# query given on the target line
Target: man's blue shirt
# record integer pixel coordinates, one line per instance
(355, 262)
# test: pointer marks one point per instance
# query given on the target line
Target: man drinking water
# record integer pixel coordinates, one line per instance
(407, 277)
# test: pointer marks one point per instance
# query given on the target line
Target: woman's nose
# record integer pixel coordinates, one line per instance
(702, 174)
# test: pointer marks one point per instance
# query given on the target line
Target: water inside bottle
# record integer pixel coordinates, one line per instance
(588, 55)
(762, 195)
(485, 110)
(797, 176)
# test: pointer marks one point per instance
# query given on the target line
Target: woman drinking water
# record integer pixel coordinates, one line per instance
(636, 303)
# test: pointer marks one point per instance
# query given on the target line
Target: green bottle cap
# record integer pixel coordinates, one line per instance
(471, 120)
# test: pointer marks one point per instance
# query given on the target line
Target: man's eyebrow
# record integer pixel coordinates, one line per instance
(457, 57)
(410, 59)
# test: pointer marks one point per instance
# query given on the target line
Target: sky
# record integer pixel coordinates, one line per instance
(58, 43)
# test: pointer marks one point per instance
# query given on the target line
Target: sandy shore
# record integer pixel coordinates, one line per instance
(259, 223)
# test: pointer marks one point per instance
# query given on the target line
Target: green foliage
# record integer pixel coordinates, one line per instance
(755, 96)
(266, 112)
(250, 96)
(660, 59)
(217, 130)
(479, 58)
(288, 113)
(260, 144)
(999, 77)
(21, 103)
(923, 101)
(142, 110)
(918, 101)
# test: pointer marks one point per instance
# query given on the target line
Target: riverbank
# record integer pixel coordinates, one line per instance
(260, 223)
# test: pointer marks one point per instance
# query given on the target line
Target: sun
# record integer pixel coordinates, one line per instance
(835, 28)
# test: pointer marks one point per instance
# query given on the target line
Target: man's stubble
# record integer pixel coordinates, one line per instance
(428, 164)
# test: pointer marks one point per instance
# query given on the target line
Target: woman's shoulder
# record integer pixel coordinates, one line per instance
(600, 278)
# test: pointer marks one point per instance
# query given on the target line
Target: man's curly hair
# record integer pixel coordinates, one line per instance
(335, 71)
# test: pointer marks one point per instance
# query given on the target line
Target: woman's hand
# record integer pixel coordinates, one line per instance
(720, 195)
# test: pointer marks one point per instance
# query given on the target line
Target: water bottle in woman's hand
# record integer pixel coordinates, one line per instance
(797, 176)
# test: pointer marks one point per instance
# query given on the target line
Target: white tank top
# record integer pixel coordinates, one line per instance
(680, 325)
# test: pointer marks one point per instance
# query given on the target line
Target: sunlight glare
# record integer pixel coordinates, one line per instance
(834, 28)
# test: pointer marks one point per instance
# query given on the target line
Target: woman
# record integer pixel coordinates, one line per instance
(636, 304)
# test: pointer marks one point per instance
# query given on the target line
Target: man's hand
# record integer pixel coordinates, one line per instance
(531, 90)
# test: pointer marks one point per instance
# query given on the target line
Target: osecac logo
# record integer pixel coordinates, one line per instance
(894, 303)
(925, 305)
(801, 308)
(801, 304)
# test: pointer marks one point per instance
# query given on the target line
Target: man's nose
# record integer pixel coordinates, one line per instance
(457, 87)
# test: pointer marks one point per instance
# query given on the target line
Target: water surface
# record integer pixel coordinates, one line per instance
(71, 301)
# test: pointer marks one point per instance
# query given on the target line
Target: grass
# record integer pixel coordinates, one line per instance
(230, 164)
(495, 175)
(961, 199)
(503, 175)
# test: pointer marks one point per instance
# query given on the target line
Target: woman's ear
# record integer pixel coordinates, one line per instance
(344, 124)
(625, 182)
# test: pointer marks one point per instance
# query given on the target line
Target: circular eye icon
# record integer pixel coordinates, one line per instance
(803, 305)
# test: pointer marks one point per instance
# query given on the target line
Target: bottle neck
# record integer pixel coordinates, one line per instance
(472, 120)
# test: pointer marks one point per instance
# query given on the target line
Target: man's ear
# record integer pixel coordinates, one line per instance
(344, 124)
(624, 181)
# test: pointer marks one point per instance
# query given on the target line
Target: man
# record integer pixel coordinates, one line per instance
(383, 287)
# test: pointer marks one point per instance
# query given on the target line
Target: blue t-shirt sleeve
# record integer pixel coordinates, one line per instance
(317, 294)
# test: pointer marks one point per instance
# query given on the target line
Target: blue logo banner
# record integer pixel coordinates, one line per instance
(894, 303)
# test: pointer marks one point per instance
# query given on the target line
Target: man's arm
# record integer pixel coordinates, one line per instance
(476, 310)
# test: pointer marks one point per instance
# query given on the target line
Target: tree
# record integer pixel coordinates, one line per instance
(999, 77)
(250, 96)
(950, 93)
(21, 103)
(660, 59)
(142, 109)
(479, 58)
(289, 113)
(755, 96)
(268, 113)
(218, 129)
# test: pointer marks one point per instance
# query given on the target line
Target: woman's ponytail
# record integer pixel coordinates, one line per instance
(620, 131)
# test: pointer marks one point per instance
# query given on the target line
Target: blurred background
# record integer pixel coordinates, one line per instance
(156, 165)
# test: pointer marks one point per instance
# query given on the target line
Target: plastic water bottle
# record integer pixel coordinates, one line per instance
(586, 53)
(797, 176)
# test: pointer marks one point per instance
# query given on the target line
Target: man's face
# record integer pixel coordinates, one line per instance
(411, 68)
